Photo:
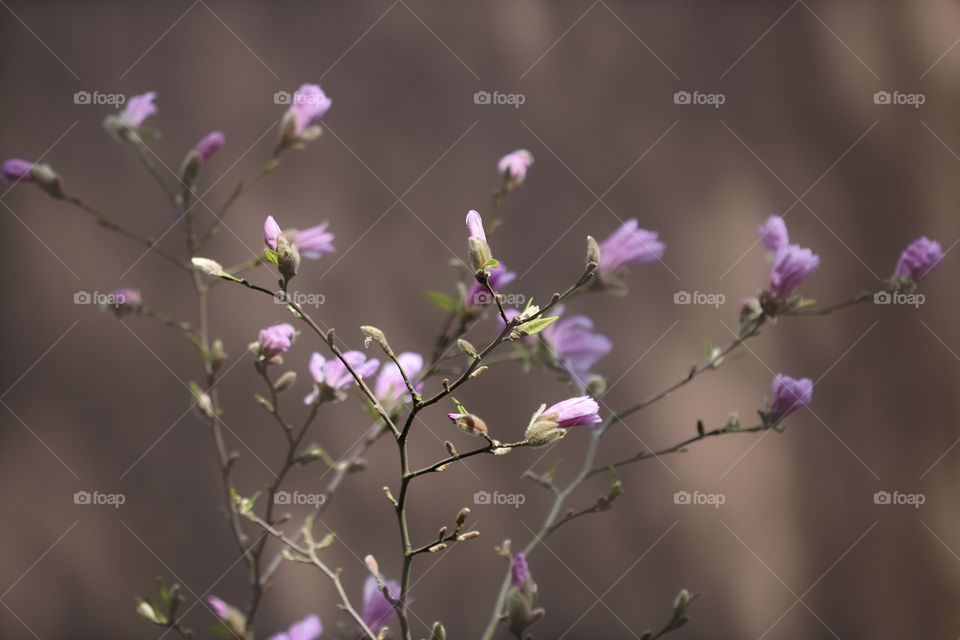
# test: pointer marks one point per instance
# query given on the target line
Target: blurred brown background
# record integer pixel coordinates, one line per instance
(88, 401)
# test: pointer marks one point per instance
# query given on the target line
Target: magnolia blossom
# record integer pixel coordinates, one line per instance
(209, 145)
(16, 169)
(390, 387)
(475, 225)
(629, 246)
(922, 256)
(791, 266)
(573, 412)
(276, 340)
(138, 109)
(789, 394)
(333, 376)
(221, 608)
(572, 340)
(271, 233)
(313, 242)
(309, 628)
(377, 610)
(308, 105)
(773, 234)
(513, 166)
(499, 278)
(519, 571)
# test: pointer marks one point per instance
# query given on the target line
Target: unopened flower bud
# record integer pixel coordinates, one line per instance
(467, 348)
(543, 430)
(190, 169)
(478, 372)
(438, 632)
(479, 252)
(149, 612)
(285, 381)
(372, 565)
(593, 251)
(47, 179)
(596, 386)
(469, 423)
(462, 517)
(217, 353)
(209, 267)
(469, 535)
(375, 335)
(288, 261)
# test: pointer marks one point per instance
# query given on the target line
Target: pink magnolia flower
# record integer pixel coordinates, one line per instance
(791, 266)
(308, 105)
(271, 232)
(629, 246)
(513, 166)
(573, 342)
(922, 256)
(16, 170)
(125, 301)
(138, 109)
(276, 339)
(332, 377)
(574, 412)
(209, 145)
(314, 242)
(390, 387)
(773, 233)
(309, 628)
(789, 394)
(221, 608)
(475, 225)
(377, 610)
(519, 571)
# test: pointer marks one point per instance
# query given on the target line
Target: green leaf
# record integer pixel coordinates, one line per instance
(492, 263)
(165, 597)
(271, 255)
(443, 301)
(460, 408)
(147, 132)
(805, 302)
(615, 485)
(196, 343)
(707, 348)
(538, 325)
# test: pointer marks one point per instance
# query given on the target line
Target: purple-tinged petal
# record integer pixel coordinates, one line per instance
(773, 233)
(271, 232)
(210, 144)
(922, 256)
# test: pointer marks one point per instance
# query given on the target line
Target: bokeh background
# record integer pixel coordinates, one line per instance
(798, 550)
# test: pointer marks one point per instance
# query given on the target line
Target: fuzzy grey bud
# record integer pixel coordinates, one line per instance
(479, 253)
(285, 381)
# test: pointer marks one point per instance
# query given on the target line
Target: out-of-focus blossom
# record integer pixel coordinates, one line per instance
(124, 301)
(773, 234)
(138, 109)
(332, 377)
(499, 278)
(789, 394)
(16, 170)
(210, 144)
(390, 388)
(519, 571)
(922, 256)
(308, 105)
(791, 266)
(377, 610)
(309, 628)
(313, 242)
(573, 342)
(231, 617)
(629, 246)
(513, 166)
(276, 339)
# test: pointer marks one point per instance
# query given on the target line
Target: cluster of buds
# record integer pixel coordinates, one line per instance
(521, 597)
